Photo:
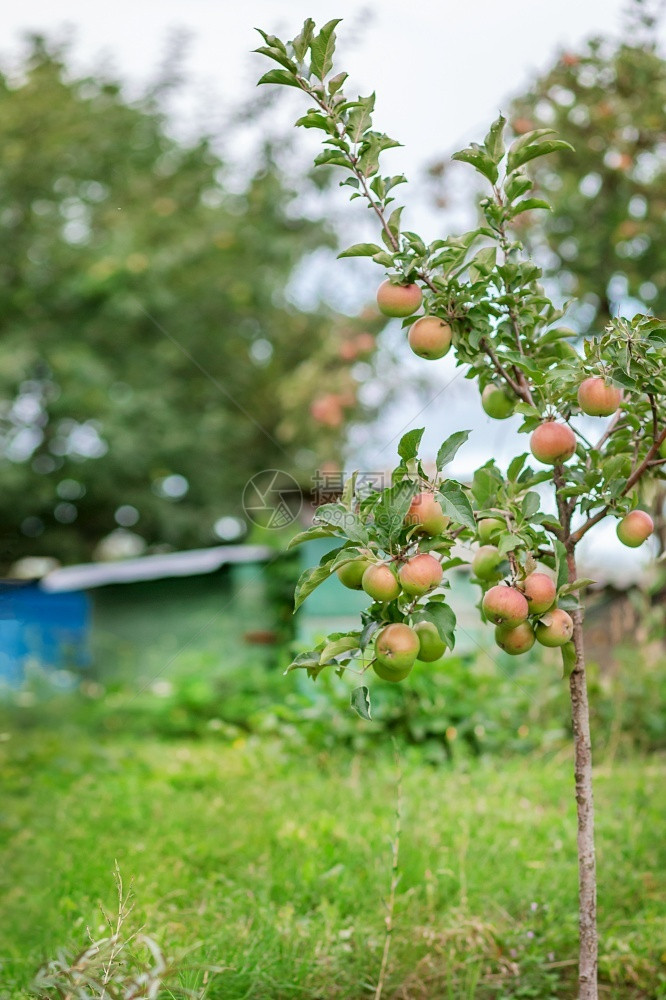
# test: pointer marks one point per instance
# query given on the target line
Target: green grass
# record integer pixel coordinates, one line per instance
(275, 866)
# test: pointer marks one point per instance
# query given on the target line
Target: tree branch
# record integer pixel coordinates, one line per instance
(631, 482)
(501, 370)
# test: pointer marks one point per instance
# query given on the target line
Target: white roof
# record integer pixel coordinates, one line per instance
(192, 563)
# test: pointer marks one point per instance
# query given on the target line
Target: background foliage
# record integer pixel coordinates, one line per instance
(146, 329)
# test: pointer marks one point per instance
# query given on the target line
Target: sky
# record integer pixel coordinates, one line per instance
(441, 70)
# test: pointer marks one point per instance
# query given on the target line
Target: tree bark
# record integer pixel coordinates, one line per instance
(587, 876)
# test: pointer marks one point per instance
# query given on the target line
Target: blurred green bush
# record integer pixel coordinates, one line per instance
(462, 706)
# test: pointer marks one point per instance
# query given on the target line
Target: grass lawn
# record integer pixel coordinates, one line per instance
(275, 865)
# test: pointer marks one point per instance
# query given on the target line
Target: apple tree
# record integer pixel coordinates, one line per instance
(478, 294)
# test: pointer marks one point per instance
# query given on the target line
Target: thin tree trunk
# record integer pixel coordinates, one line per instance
(587, 876)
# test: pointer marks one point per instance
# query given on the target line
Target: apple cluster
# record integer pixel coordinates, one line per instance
(411, 576)
(553, 442)
(523, 612)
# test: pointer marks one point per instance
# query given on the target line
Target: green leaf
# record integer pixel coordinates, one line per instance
(389, 512)
(301, 43)
(383, 258)
(305, 536)
(516, 467)
(306, 661)
(279, 76)
(443, 618)
(338, 646)
(367, 633)
(528, 205)
(508, 543)
(570, 588)
(336, 82)
(480, 160)
(449, 448)
(278, 56)
(347, 495)
(343, 521)
(517, 158)
(360, 118)
(485, 485)
(494, 141)
(369, 152)
(482, 262)
(331, 157)
(456, 505)
(531, 504)
(361, 250)
(360, 702)
(313, 119)
(393, 222)
(568, 659)
(309, 580)
(322, 48)
(623, 379)
(561, 564)
(409, 444)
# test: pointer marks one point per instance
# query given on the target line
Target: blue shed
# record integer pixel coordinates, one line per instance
(137, 609)
(36, 625)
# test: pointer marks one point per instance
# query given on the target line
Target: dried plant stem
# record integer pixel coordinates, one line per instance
(395, 877)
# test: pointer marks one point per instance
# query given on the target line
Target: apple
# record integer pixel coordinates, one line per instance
(396, 648)
(426, 514)
(390, 673)
(555, 628)
(327, 410)
(351, 574)
(662, 449)
(552, 443)
(398, 300)
(431, 646)
(485, 562)
(420, 574)
(634, 528)
(517, 640)
(380, 582)
(430, 338)
(497, 402)
(540, 592)
(488, 528)
(505, 606)
(598, 399)
(364, 343)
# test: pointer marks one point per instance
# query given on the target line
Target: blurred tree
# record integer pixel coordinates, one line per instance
(150, 359)
(605, 239)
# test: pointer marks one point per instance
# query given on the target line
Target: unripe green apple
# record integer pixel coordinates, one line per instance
(489, 528)
(420, 574)
(485, 563)
(380, 582)
(396, 648)
(552, 442)
(351, 574)
(505, 606)
(497, 402)
(398, 300)
(431, 646)
(515, 641)
(597, 398)
(430, 338)
(634, 528)
(555, 628)
(540, 592)
(390, 673)
(426, 514)
(662, 449)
